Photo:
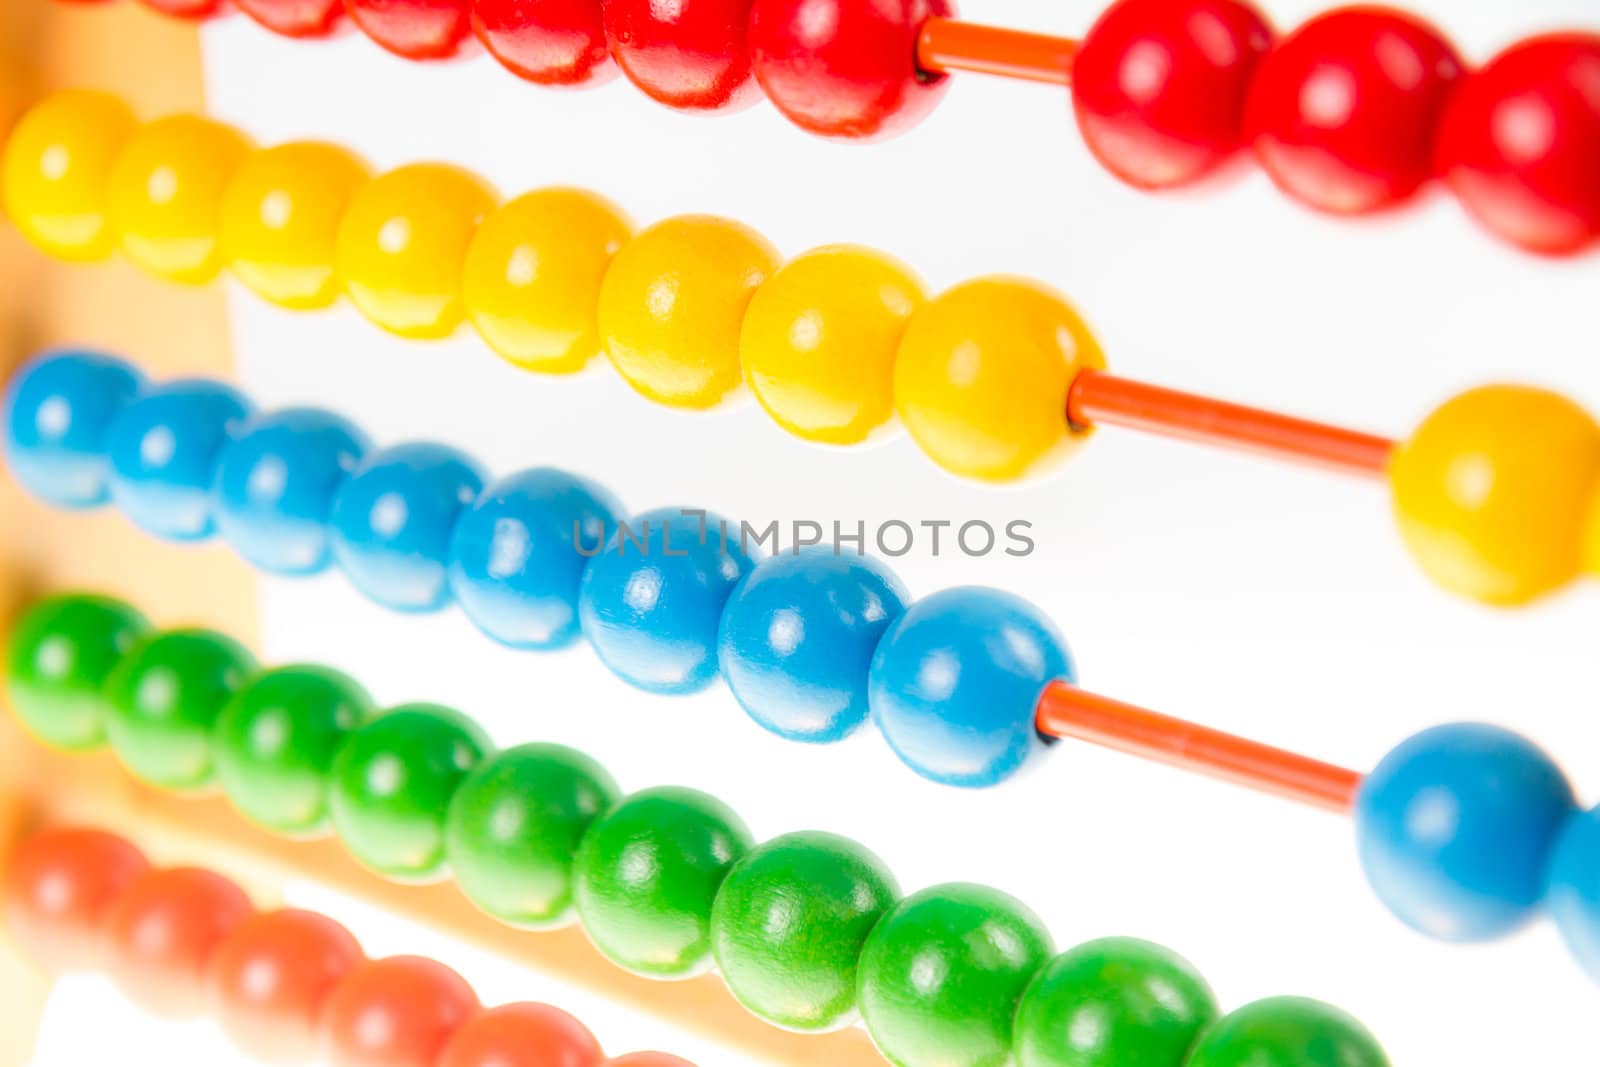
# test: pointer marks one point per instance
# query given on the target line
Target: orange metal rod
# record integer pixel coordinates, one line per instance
(949, 44)
(1097, 397)
(1069, 712)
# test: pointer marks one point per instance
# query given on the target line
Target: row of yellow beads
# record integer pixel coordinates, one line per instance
(832, 343)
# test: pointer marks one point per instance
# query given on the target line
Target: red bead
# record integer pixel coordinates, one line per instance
(295, 18)
(187, 9)
(846, 68)
(689, 54)
(1520, 143)
(522, 1035)
(270, 979)
(552, 42)
(60, 887)
(415, 29)
(1159, 86)
(162, 933)
(1345, 110)
(395, 1012)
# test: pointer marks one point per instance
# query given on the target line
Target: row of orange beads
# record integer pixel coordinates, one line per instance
(832, 343)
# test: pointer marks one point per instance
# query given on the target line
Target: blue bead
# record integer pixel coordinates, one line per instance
(1574, 890)
(275, 487)
(393, 519)
(164, 449)
(1456, 827)
(651, 602)
(519, 554)
(955, 680)
(56, 413)
(797, 640)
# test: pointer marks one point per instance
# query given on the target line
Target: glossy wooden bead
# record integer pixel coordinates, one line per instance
(165, 195)
(295, 18)
(392, 521)
(550, 42)
(1491, 492)
(162, 933)
(414, 29)
(58, 411)
(1344, 111)
(275, 742)
(1574, 893)
(392, 782)
(820, 337)
(280, 221)
(522, 1035)
(1113, 1002)
(846, 68)
(514, 827)
(982, 375)
(162, 700)
(1520, 143)
(60, 886)
(673, 302)
(942, 974)
(395, 1012)
(1287, 1032)
(691, 55)
(402, 244)
(59, 657)
(56, 170)
(164, 447)
(531, 284)
(648, 875)
(789, 925)
(1159, 88)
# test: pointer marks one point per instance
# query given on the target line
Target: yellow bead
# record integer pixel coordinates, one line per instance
(1492, 492)
(982, 376)
(820, 338)
(166, 195)
(532, 280)
(672, 304)
(403, 243)
(280, 219)
(56, 168)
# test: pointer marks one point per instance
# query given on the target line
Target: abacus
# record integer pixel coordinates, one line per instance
(854, 879)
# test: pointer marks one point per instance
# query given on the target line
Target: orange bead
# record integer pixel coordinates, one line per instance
(522, 1035)
(59, 888)
(162, 934)
(57, 170)
(395, 1012)
(649, 1059)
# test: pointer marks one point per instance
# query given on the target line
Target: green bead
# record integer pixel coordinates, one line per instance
(392, 783)
(163, 699)
(789, 925)
(61, 653)
(514, 828)
(1111, 1003)
(275, 741)
(942, 974)
(648, 874)
(1287, 1032)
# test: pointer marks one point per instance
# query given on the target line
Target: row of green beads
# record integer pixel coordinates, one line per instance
(806, 928)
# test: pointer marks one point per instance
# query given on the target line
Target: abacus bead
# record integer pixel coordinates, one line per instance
(57, 410)
(1113, 1002)
(414, 29)
(280, 221)
(648, 875)
(162, 934)
(514, 827)
(797, 638)
(402, 244)
(275, 741)
(295, 18)
(392, 782)
(531, 284)
(165, 195)
(550, 42)
(522, 1035)
(164, 697)
(982, 376)
(195, 10)
(59, 887)
(1520, 143)
(1491, 492)
(1456, 827)
(57, 164)
(1574, 892)
(1287, 1032)
(955, 680)
(819, 341)
(651, 600)
(673, 302)
(1159, 88)
(789, 925)
(395, 1012)
(691, 55)
(60, 656)
(846, 68)
(276, 483)
(1345, 110)
(392, 521)
(942, 974)
(165, 447)
(649, 1059)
